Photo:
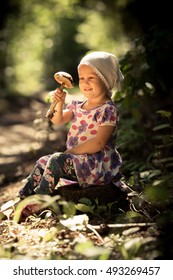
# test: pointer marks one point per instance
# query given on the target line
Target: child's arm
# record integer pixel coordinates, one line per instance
(60, 116)
(95, 144)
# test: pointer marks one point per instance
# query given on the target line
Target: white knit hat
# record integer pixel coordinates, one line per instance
(106, 66)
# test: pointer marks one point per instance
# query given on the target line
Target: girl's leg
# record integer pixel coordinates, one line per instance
(58, 166)
(34, 178)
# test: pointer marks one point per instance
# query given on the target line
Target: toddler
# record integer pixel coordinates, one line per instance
(90, 157)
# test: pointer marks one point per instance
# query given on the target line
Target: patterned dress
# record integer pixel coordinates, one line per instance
(58, 169)
(102, 167)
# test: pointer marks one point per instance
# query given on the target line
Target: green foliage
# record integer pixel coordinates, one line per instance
(38, 44)
(103, 26)
(92, 252)
(41, 201)
(145, 136)
(100, 212)
(51, 36)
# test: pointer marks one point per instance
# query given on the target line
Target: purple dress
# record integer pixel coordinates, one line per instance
(102, 167)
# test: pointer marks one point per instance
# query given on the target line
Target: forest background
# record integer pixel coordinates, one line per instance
(39, 38)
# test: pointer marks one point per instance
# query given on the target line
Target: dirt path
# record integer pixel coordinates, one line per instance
(25, 135)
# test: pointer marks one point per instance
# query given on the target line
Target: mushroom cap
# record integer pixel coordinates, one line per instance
(64, 78)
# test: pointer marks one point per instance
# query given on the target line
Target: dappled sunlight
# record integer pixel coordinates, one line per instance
(50, 37)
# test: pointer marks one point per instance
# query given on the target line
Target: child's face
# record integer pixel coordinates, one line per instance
(89, 83)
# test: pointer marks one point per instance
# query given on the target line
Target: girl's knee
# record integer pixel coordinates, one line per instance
(42, 161)
(58, 159)
(55, 157)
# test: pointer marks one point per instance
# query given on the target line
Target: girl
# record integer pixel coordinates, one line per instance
(91, 157)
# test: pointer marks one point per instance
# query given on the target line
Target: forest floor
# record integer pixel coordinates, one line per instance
(25, 136)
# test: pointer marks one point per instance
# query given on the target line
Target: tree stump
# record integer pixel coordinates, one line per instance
(103, 193)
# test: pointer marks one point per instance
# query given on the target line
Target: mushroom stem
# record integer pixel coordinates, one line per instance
(51, 111)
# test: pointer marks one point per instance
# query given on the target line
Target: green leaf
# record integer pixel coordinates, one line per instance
(68, 208)
(86, 201)
(163, 113)
(43, 201)
(163, 160)
(161, 126)
(84, 208)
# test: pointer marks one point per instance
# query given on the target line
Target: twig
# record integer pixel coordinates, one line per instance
(93, 229)
(105, 228)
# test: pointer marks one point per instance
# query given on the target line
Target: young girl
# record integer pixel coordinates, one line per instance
(91, 157)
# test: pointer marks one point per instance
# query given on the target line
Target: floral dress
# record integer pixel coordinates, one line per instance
(102, 167)
(87, 169)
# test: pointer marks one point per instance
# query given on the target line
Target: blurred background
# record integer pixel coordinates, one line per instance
(39, 38)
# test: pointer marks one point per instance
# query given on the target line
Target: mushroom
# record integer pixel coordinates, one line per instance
(66, 81)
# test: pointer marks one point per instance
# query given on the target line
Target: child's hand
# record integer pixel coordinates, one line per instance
(58, 95)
